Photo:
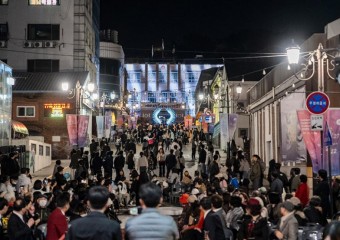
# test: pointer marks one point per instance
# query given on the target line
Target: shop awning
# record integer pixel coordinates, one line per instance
(19, 127)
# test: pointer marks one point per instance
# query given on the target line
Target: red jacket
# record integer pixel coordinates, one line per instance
(302, 193)
(56, 225)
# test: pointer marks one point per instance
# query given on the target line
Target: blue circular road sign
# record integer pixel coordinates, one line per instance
(317, 103)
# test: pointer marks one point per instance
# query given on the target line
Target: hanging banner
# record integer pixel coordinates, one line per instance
(311, 139)
(71, 122)
(188, 122)
(232, 124)
(83, 124)
(292, 146)
(100, 126)
(108, 123)
(120, 122)
(333, 121)
(224, 130)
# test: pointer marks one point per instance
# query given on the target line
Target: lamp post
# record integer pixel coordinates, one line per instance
(319, 56)
(77, 93)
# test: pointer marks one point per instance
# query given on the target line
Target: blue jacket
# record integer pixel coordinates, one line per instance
(151, 225)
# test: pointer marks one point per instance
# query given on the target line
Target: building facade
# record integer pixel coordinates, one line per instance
(162, 92)
(275, 100)
(50, 35)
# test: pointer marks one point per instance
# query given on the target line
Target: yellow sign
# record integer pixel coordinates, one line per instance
(57, 105)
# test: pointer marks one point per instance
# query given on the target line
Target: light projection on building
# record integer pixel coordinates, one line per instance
(164, 116)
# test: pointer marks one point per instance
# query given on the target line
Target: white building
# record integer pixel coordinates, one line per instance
(49, 35)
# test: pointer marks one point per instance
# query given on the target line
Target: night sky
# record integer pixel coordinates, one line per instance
(216, 28)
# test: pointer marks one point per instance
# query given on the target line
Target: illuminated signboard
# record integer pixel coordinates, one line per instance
(56, 110)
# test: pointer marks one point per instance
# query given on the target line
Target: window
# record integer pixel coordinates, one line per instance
(152, 97)
(192, 77)
(3, 2)
(48, 151)
(41, 150)
(44, 2)
(174, 77)
(25, 111)
(42, 65)
(161, 77)
(173, 97)
(152, 76)
(43, 32)
(4, 31)
(135, 77)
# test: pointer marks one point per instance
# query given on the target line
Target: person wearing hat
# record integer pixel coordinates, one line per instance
(298, 211)
(41, 207)
(287, 225)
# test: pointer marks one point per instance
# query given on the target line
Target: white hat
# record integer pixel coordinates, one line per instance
(195, 191)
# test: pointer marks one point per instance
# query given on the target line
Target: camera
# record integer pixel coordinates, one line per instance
(36, 216)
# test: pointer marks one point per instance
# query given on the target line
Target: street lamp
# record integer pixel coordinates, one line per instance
(239, 89)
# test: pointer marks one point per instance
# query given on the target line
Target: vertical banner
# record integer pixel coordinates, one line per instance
(292, 146)
(120, 122)
(108, 123)
(71, 122)
(205, 127)
(224, 130)
(333, 120)
(232, 123)
(100, 126)
(311, 138)
(83, 123)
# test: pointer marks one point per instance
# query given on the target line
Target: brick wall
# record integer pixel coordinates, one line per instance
(42, 124)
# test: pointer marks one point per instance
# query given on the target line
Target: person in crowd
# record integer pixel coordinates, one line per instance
(202, 159)
(142, 226)
(302, 192)
(255, 171)
(3, 212)
(322, 190)
(108, 164)
(142, 163)
(253, 226)
(161, 162)
(12, 166)
(41, 208)
(181, 162)
(271, 169)
(170, 162)
(193, 149)
(298, 211)
(276, 185)
(24, 182)
(59, 176)
(18, 229)
(57, 224)
(130, 160)
(314, 211)
(288, 225)
(97, 164)
(244, 167)
(55, 169)
(119, 162)
(95, 224)
(234, 214)
(332, 231)
(282, 177)
(75, 156)
(274, 207)
(214, 169)
(294, 180)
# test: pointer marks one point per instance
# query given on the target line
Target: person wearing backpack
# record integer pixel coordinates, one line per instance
(282, 177)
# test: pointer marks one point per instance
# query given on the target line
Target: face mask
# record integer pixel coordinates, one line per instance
(43, 203)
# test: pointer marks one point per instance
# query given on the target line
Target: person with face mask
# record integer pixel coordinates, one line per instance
(57, 224)
(41, 208)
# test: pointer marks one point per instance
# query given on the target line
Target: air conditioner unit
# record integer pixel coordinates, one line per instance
(3, 44)
(50, 44)
(38, 44)
(28, 44)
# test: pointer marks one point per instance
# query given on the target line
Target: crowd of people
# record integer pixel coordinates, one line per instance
(222, 199)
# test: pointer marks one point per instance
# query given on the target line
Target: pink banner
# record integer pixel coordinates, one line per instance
(108, 123)
(83, 124)
(312, 140)
(71, 122)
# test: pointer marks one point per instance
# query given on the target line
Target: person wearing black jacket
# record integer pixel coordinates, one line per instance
(322, 190)
(17, 228)
(314, 212)
(170, 162)
(119, 162)
(108, 164)
(214, 168)
(97, 163)
(202, 159)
